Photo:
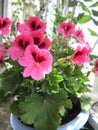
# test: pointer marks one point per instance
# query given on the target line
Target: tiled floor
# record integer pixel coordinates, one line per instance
(4, 117)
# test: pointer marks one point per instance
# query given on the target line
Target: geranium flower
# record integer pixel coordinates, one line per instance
(45, 44)
(19, 45)
(67, 29)
(2, 54)
(37, 62)
(40, 41)
(79, 35)
(23, 28)
(35, 23)
(96, 67)
(37, 37)
(80, 56)
(87, 45)
(5, 24)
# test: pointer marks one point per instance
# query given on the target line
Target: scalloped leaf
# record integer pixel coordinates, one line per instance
(46, 107)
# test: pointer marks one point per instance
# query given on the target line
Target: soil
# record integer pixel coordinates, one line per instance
(71, 113)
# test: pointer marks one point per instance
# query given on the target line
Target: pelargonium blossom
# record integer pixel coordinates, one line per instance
(40, 40)
(45, 44)
(2, 54)
(23, 28)
(87, 45)
(80, 56)
(96, 67)
(79, 35)
(19, 45)
(5, 24)
(37, 62)
(35, 23)
(67, 29)
(37, 37)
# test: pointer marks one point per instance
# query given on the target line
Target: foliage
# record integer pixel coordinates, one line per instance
(46, 75)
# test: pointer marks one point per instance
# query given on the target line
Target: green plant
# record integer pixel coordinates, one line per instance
(46, 76)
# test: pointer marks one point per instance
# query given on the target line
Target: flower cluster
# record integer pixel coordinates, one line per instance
(31, 48)
(81, 54)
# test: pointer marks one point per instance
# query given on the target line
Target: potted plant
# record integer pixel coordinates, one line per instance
(48, 82)
(45, 76)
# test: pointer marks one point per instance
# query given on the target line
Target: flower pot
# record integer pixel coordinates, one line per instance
(75, 124)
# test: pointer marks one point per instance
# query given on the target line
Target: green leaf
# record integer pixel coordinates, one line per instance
(95, 13)
(84, 19)
(92, 32)
(52, 84)
(95, 22)
(62, 110)
(86, 103)
(14, 108)
(94, 5)
(43, 110)
(85, 8)
(6, 82)
(2, 97)
(88, 0)
(72, 3)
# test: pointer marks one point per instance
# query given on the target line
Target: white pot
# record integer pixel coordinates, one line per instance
(75, 124)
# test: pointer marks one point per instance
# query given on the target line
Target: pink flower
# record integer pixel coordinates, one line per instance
(5, 24)
(80, 56)
(87, 45)
(37, 62)
(37, 37)
(96, 67)
(79, 35)
(45, 44)
(23, 28)
(2, 54)
(67, 29)
(35, 23)
(40, 41)
(19, 45)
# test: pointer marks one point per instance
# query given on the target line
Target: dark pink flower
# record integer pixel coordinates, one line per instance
(80, 56)
(37, 62)
(37, 37)
(2, 54)
(40, 41)
(89, 49)
(35, 23)
(79, 35)
(45, 44)
(5, 24)
(19, 45)
(96, 67)
(67, 29)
